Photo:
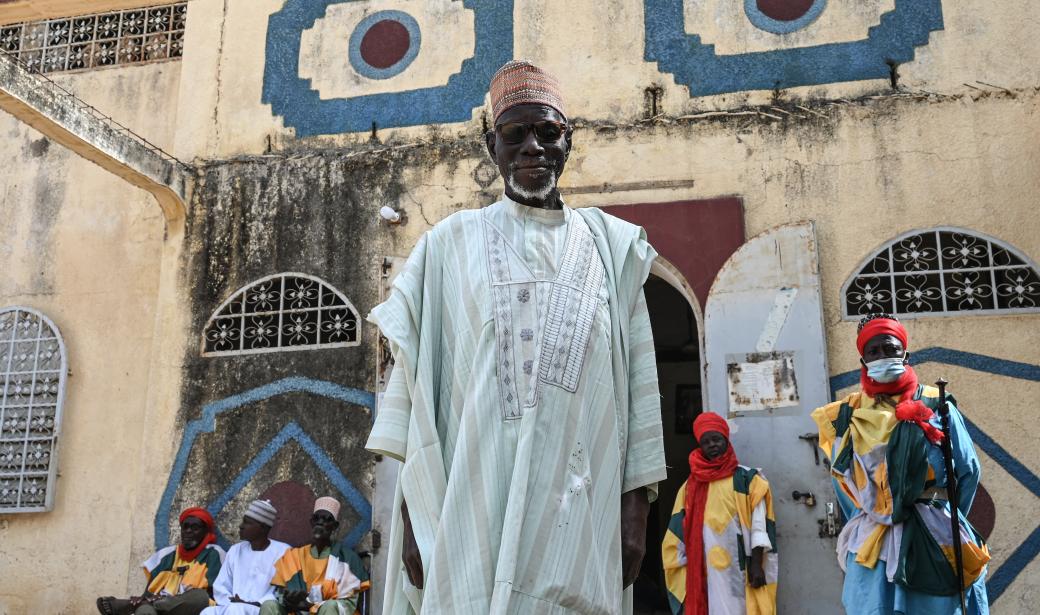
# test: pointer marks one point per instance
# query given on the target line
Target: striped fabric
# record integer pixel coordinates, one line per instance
(166, 572)
(513, 481)
(519, 82)
(329, 576)
(738, 517)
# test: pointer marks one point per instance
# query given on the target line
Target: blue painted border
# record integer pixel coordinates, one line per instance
(697, 66)
(1028, 550)
(302, 108)
(415, 41)
(207, 424)
(764, 22)
(293, 432)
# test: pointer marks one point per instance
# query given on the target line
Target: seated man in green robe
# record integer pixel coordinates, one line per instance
(322, 577)
(180, 577)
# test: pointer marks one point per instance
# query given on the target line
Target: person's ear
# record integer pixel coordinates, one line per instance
(569, 137)
(489, 141)
(906, 358)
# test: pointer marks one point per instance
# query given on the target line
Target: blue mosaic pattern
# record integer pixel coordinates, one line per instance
(207, 424)
(697, 66)
(302, 108)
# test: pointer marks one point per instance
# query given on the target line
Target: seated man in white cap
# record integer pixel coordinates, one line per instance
(317, 578)
(244, 581)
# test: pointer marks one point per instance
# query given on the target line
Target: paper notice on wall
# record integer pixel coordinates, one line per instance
(761, 381)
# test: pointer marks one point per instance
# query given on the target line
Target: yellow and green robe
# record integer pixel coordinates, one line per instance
(895, 547)
(168, 575)
(335, 573)
(738, 517)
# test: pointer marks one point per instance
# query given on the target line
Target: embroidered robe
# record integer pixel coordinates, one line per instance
(523, 403)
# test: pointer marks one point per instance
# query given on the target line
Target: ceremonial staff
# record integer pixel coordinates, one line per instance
(951, 488)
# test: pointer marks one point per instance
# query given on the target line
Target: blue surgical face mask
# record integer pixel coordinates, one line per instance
(886, 370)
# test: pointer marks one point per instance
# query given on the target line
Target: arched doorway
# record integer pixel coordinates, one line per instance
(675, 320)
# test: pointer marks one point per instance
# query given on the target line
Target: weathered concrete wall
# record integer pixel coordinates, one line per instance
(84, 248)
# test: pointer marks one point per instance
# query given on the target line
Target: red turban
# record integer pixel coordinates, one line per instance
(202, 515)
(709, 421)
(881, 326)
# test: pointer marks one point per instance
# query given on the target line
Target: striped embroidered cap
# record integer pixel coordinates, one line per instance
(262, 511)
(519, 83)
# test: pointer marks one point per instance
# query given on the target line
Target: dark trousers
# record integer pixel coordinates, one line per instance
(189, 603)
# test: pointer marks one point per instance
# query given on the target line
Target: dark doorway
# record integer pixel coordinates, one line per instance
(677, 343)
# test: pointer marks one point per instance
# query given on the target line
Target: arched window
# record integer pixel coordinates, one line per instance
(943, 271)
(286, 311)
(32, 374)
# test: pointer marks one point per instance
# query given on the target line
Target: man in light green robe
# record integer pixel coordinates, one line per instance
(523, 402)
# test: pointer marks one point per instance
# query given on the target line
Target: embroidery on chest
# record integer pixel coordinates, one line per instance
(542, 327)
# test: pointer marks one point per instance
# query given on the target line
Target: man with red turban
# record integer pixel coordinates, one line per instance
(719, 551)
(180, 577)
(884, 445)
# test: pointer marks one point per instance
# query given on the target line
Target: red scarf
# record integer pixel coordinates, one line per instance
(202, 515)
(703, 472)
(908, 409)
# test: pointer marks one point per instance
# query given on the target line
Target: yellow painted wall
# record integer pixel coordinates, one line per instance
(84, 248)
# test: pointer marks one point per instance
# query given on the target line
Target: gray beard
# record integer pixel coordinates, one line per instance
(533, 195)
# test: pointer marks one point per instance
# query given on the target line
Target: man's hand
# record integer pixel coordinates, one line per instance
(296, 601)
(410, 552)
(634, 510)
(756, 574)
(238, 599)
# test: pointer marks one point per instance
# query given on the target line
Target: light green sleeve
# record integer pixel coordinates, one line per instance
(399, 319)
(644, 457)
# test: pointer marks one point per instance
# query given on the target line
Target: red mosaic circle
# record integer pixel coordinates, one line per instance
(294, 502)
(983, 514)
(385, 44)
(785, 10)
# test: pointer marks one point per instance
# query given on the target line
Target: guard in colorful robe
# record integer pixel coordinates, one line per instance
(523, 401)
(322, 577)
(180, 577)
(244, 582)
(883, 441)
(719, 551)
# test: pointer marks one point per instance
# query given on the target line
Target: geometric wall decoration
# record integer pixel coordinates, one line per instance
(32, 391)
(941, 272)
(783, 16)
(384, 48)
(291, 433)
(698, 65)
(116, 38)
(285, 311)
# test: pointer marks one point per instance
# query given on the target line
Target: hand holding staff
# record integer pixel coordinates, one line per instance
(951, 487)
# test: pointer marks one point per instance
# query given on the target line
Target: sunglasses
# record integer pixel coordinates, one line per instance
(546, 131)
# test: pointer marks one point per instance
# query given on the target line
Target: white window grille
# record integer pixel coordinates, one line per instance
(941, 272)
(32, 374)
(116, 38)
(286, 311)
